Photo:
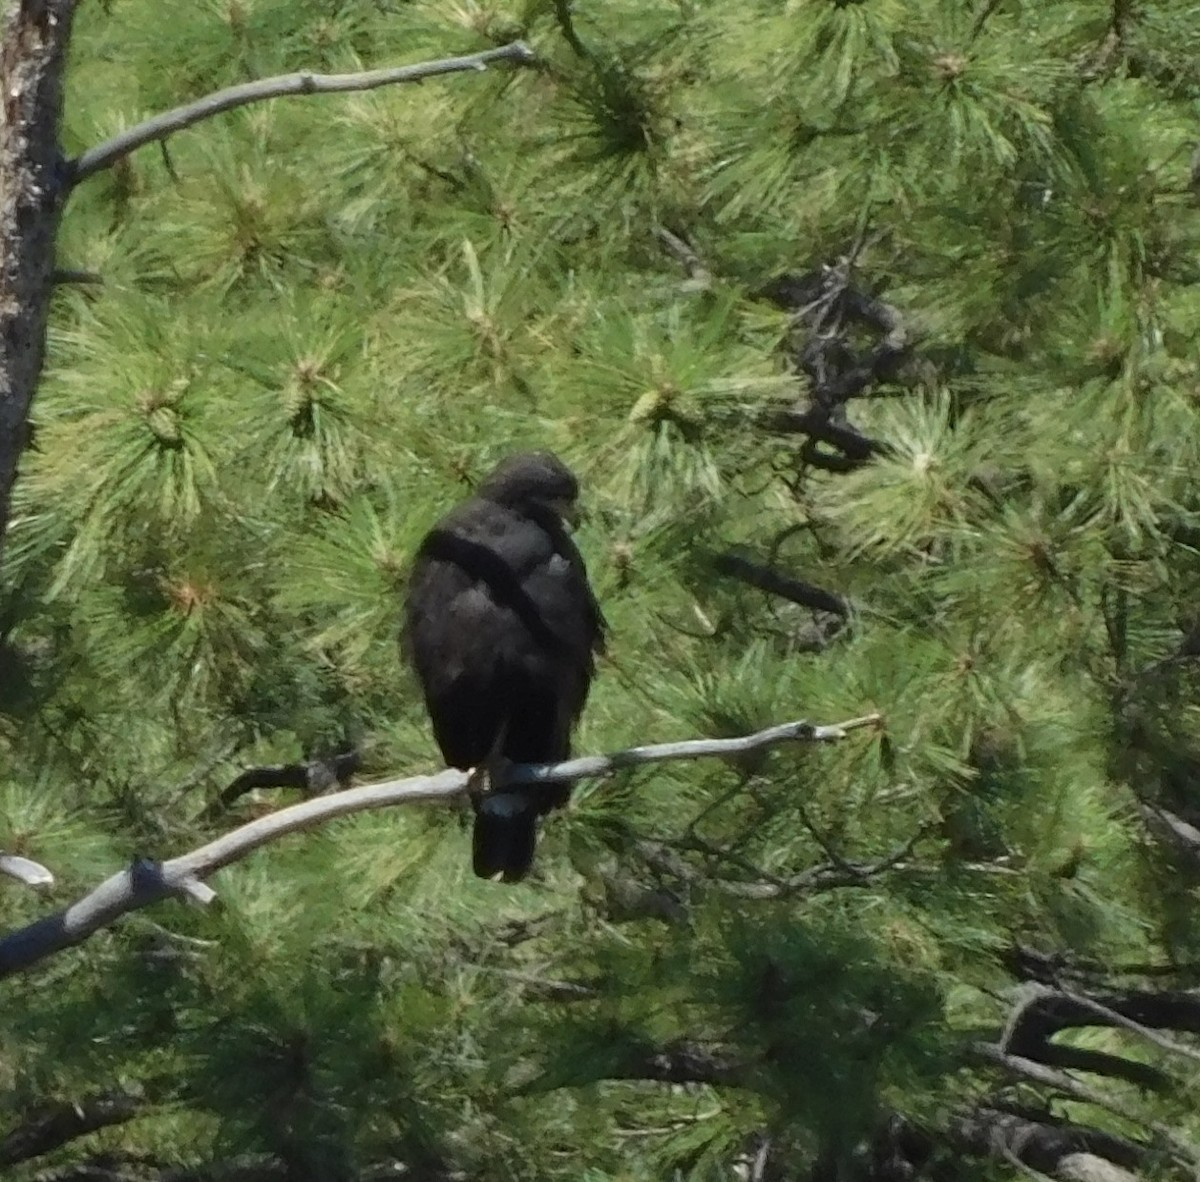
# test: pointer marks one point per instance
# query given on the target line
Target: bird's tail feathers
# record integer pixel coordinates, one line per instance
(504, 836)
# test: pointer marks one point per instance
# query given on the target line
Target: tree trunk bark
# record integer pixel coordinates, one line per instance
(33, 188)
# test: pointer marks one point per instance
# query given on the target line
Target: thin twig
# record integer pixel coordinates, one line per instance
(566, 25)
(830, 851)
(302, 83)
(699, 276)
(148, 881)
(665, 858)
(982, 16)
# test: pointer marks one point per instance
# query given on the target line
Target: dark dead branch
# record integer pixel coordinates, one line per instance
(812, 455)
(1047, 1010)
(829, 314)
(1017, 1067)
(819, 426)
(1071, 1058)
(767, 578)
(684, 1063)
(566, 26)
(67, 275)
(824, 304)
(1040, 1143)
(54, 1125)
(312, 778)
(1035, 1021)
(1183, 838)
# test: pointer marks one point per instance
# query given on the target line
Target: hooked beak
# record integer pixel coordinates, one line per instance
(570, 512)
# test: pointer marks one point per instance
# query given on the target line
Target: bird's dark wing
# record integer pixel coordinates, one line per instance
(501, 626)
(483, 556)
(559, 588)
(593, 619)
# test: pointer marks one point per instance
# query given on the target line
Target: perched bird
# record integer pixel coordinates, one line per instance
(502, 628)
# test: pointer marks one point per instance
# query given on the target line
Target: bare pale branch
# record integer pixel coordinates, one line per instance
(25, 870)
(304, 82)
(147, 881)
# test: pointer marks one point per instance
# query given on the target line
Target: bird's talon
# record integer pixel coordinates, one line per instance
(477, 785)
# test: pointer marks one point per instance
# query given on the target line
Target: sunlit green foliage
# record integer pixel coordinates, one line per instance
(323, 318)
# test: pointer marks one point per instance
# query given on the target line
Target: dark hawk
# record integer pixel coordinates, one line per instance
(502, 628)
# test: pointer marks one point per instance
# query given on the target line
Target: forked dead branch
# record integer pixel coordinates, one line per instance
(147, 881)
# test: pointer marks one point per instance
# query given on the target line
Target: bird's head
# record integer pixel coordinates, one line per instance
(534, 480)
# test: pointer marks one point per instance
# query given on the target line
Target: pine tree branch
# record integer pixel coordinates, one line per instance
(1031, 1138)
(684, 1063)
(121, 1167)
(1132, 1071)
(54, 1125)
(1036, 1020)
(982, 16)
(566, 25)
(313, 777)
(1047, 1010)
(35, 180)
(32, 874)
(816, 423)
(767, 578)
(699, 276)
(812, 455)
(1183, 837)
(302, 83)
(64, 275)
(148, 881)
(1041, 1143)
(1114, 1017)
(1027, 1069)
